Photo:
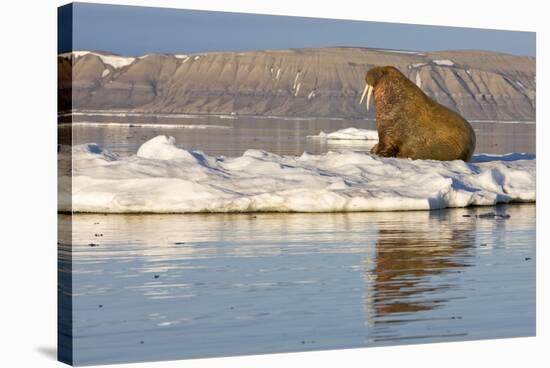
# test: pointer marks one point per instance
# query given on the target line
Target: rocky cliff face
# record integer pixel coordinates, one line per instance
(324, 82)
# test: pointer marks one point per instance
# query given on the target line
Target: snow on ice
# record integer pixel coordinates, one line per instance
(165, 178)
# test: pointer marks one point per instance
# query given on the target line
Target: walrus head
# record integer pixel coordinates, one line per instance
(377, 75)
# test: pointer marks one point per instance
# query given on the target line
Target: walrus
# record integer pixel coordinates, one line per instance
(411, 124)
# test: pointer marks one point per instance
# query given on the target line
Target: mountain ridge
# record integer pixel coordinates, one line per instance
(313, 82)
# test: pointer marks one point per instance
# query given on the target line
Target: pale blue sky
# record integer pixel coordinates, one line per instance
(130, 30)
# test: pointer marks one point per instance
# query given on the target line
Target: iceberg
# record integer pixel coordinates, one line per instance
(165, 178)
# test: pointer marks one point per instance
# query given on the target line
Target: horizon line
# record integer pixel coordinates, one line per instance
(298, 48)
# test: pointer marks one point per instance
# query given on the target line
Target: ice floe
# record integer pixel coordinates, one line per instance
(349, 134)
(165, 178)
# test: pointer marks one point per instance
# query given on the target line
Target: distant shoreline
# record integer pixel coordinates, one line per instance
(129, 114)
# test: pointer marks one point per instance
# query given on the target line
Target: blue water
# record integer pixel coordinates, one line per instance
(155, 287)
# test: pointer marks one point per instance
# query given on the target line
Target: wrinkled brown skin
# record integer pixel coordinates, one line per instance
(412, 125)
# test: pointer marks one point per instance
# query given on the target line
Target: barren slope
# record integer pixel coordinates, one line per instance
(323, 82)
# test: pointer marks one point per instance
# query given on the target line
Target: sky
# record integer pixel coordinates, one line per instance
(135, 31)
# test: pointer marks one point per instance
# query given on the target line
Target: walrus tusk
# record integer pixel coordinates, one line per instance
(369, 94)
(364, 93)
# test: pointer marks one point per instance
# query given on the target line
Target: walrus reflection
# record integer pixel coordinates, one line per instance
(411, 124)
(402, 277)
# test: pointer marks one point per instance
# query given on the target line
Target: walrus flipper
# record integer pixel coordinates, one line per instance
(385, 150)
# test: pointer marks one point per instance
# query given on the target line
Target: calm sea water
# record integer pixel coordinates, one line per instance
(231, 137)
(156, 287)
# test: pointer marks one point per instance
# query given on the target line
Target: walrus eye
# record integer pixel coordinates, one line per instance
(368, 92)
